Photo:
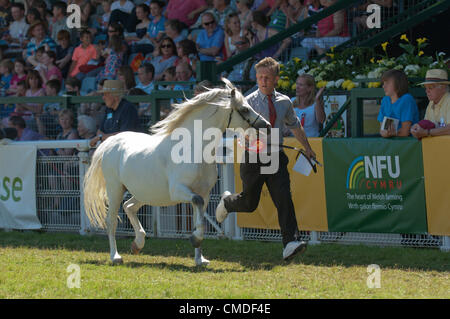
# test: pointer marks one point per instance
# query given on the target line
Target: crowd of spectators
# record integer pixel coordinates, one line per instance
(138, 42)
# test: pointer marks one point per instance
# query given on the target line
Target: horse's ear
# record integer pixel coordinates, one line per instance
(233, 93)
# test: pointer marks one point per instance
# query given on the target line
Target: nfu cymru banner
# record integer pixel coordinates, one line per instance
(375, 187)
(17, 187)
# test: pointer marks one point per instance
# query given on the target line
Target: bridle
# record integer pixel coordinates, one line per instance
(252, 124)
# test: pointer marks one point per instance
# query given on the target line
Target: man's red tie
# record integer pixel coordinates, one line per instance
(272, 111)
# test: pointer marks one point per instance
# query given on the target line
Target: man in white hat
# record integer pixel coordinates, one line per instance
(438, 110)
(121, 115)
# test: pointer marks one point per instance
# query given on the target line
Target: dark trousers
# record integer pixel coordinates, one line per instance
(279, 187)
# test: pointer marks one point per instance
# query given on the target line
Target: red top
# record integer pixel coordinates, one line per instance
(327, 24)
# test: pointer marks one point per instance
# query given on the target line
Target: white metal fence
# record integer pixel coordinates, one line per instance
(59, 195)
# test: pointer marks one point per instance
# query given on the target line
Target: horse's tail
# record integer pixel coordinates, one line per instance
(95, 198)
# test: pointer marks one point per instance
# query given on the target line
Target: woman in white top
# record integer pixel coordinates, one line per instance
(233, 33)
(308, 105)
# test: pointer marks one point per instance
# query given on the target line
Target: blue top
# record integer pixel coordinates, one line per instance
(215, 40)
(154, 28)
(404, 109)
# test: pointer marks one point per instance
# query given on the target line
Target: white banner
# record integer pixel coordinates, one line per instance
(18, 187)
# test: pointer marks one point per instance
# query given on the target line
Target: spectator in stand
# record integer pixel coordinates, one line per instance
(49, 117)
(5, 14)
(114, 58)
(155, 30)
(308, 105)
(73, 86)
(296, 11)
(23, 132)
(331, 31)
(103, 21)
(19, 75)
(41, 6)
(437, 87)
(262, 31)
(221, 9)
(6, 71)
(186, 11)
(167, 58)
(184, 73)
(50, 71)
(33, 110)
(210, 39)
(139, 42)
(39, 38)
(33, 16)
(16, 37)
(233, 33)
(59, 21)
(66, 120)
(245, 14)
(146, 73)
(121, 115)
(123, 11)
(83, 53)
(64, 52)
(174, 30)
(187, 52)
(397, 104)
(126, 75)
(87, 129)
(278, 18)
(244, 71)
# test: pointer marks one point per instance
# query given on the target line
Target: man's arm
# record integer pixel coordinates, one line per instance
(419, 132)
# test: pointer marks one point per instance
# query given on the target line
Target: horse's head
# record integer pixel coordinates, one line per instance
(242, 114)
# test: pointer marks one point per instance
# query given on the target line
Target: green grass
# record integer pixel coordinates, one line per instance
(34, 265)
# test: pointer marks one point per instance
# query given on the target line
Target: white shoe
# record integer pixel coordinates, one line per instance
(221, 211)
(293, 248)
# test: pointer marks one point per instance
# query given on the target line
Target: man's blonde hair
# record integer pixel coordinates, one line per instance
(269, 63)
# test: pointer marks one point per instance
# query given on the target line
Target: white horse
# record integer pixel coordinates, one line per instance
(142, 164)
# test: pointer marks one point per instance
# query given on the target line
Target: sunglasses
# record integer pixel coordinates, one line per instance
(166, 46)
(240, 43)
(208, 23)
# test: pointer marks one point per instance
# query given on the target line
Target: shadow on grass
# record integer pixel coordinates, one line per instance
(251, 255)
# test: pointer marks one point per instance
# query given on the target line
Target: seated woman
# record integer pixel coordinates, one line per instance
(50, 71)
(308, 105)
(66, 120)
(167, 58)
(138, 41)
(113, 61)
(398, 104)
(233, 32)
(331, 31)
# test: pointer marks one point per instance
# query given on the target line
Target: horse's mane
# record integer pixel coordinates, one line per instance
(217, 97)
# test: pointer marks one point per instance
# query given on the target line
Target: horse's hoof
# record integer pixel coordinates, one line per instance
(134, 248)
(117, 261)
(195, 241)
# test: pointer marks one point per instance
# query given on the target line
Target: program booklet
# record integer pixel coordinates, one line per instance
(387, 122)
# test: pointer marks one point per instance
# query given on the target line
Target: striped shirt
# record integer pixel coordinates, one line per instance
(32, 46)
(286, 116)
